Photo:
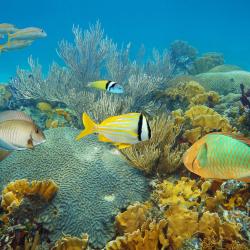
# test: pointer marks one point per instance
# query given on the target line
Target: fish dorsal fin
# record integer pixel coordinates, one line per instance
(241, 138)
(14, 115)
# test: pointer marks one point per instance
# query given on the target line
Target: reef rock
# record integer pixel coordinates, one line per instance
(94, 183)
(224, 82)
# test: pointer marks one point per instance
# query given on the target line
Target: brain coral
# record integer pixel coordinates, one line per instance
(94, 183)
(224, 82)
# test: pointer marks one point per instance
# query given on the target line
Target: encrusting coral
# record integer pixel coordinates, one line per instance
(72, 243)
(14, 192)
(188, 93)
(133, 218)
(183, 216)
(81, 169)
(159, 154)
(151, 236)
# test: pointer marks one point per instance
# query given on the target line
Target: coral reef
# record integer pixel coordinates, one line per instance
(180, 210)
(150, 237)
(5, 95)
(160, 154)
(94, 183)
(187, 94)
(14, 192)
(182, 55)
(225, 68)
(206, 62)
(224, 82)
(72, 243)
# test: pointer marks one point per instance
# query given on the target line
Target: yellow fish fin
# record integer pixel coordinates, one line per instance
(122, 145)
(89, 125)
(246, 179)
(103, 138)
(98, 84)
(8, 42)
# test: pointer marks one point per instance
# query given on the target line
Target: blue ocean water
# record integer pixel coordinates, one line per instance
(221, 26)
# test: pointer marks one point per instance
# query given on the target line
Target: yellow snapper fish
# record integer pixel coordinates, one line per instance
(122, 131)
(219, 156)
(31, 33)
(109, 86)
(6, 28)
(18, 132)
(12, 45)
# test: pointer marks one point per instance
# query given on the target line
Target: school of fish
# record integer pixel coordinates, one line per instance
(18, 38)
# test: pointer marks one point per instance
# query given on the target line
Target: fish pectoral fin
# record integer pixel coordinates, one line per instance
(122, 145)
(7, 146)
(103, 138)
(245, 179)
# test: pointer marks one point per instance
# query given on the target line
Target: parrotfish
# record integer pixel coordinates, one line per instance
(219, 156)
(18, 132)
(31, 33)
(6, 28)
(109, 86)
(123, 130)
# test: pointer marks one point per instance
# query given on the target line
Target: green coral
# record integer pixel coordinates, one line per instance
(224, 82)
(94, 183)
(225, 68)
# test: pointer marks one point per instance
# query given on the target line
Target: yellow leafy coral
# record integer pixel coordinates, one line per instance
(185, 193)
(72, 243)
(133, 218)
(151, 236)
(14, 192)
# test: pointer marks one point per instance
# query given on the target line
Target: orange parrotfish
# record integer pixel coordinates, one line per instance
(123, 130)
(219, 156)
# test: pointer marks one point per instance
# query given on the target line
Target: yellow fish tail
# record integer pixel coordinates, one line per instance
(90, 126)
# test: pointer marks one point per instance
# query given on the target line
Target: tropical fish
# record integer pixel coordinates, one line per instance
(122, 131)
(18, 132)
(12, 45)
(6, 28)
(244, 97)
(31, 33)
(109, 86)
(219, 156)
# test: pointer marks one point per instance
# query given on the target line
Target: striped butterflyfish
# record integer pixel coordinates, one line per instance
(109, 86)
(123, 130)
(220, 156)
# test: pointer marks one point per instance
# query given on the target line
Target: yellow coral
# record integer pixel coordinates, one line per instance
(64, 113)
(185, 192)
(14, 192)
(72, 243)
(150, 237)
(133, 218)
(44, 107)
(51, 123)
(193, 135)
(208, 119)
(182, 224)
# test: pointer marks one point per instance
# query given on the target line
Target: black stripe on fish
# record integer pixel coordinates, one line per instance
(107, 85)
(149, 129)
(140, 127)
(111, 85)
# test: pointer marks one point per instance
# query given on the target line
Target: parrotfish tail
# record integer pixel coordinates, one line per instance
(89, 125)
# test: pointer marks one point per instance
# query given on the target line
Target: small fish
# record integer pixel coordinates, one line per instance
(31, 33)
(6, 28)
(19, 44)
(122, 131)
(244, 97)
(219, 156)
(109, 86)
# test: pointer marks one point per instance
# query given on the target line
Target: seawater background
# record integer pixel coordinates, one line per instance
(209, 25)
